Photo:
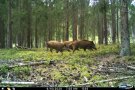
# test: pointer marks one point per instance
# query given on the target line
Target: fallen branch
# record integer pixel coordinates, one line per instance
(22, 83)
(114, 79)
(109, 71)
(131, 67)
(102, 81)
(114, 71)
(21, 47)
(29, 64)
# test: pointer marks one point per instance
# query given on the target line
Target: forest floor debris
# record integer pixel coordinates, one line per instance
(41, 73)
(53, 69)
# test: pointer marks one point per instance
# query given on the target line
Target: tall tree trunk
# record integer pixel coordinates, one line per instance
(105, 23)
(67, 20)
(20, 36)
(74, 27)
(81, 28)
(24, 39)
(100, 28)
(125, 37)
(74, 24)
(64, 32)
(113, 21)
(50, 37)
(58, 31)
(19, 39)
(117, 26)
(29, 24)
(50, 22)
(9, 28)
(2, 33)
(133, 33)
(36, 34)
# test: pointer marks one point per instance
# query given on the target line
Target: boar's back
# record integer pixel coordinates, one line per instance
(55, 45)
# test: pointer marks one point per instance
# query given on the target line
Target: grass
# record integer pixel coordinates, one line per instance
(38, 54)
(69, 66)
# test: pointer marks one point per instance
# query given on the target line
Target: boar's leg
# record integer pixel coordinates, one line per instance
(84, 49)
(75, 48)
(68, 49)
(95, 48)
(51, 49)
(61, 50)
(57, 51)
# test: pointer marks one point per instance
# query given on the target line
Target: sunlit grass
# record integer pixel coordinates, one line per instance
(38, 54)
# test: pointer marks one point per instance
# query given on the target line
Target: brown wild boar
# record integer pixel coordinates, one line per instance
(67, 45)
(83, 44)
(58, 46)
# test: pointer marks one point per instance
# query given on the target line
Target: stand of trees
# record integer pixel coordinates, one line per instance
(30, 23)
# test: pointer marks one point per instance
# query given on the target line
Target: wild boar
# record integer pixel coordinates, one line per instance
(58, 46)
(83, 44)
(67, 45)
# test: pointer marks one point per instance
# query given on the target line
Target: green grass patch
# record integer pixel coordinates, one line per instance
(73, 65)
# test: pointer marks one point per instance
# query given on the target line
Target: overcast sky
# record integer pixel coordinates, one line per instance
(91, 2)
(133, 2)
